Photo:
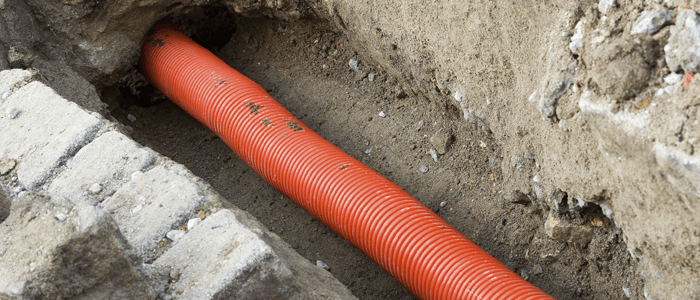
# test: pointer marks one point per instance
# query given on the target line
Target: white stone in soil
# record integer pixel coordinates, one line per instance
(354, 64)
(12, 112)
(192, 223)
(323, 265)
(175, 235)
(423, 169)
(683, 48)
(604, 5)
(650, 21)
(577, 39)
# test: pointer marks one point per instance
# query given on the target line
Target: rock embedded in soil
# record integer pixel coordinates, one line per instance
(563, 231)
(442, 140)
(605, 5)
(322, 265)
(682, 53)
(650, 21)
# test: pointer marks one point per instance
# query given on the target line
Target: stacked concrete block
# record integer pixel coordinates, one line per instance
(153, 203)
(57, 251)
(100, 168)
(96, 204)
(41, 130)
(227, 258)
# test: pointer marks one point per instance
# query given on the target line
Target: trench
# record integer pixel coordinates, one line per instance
(305, 66)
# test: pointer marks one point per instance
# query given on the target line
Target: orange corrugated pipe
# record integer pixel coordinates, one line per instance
(424, 253)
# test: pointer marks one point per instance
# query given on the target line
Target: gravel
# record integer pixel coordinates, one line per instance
(95, 188)
(650, 21)
(443, 203)
(382, 114)
(577, 39)
(371, 77)
(604, 5)
(61, 217)
(673, 78)
(682, 51)
(12, 112)
(423, 169)
(354, 64)
(323, 265)
(131, 118)
(434, 155)
(175, 235)
(192, 223)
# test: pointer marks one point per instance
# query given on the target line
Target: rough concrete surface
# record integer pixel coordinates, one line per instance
(58, 251)
(41, 136)
(153, 203)
(100, 168)
(223, 259)
(569, 92)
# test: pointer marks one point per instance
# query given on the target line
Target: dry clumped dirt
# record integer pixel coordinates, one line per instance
(305, 65)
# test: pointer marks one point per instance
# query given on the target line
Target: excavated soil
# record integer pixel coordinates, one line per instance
(305, 66)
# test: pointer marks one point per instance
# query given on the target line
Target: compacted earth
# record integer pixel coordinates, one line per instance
(452, 166)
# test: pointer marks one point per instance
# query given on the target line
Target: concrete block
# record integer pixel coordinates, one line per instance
(153, 203)
(46, 132)
(12, 79)
(224, 258)
(59, 251)
(100, 168)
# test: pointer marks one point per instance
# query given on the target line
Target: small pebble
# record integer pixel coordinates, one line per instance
(136, 174)
(131, 117)
(175, 235)
(443, 203)
(323, 265)
(420, 125)
(95, 188)
(325, 66)
(673, 78)
(434, 155)
(537, 270)
(137, 209)
(354, 64)
(536, 178)
(192, 223)
(12, 112)
(61, 217)
(368, 152)
(382, 114)
(371, 77)
(458, 96)
(423, 169)
(627, 292)
(6, 95)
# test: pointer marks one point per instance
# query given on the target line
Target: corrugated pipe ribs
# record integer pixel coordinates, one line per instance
(407, 239)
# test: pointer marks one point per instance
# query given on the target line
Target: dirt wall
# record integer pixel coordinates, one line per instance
(570, 91)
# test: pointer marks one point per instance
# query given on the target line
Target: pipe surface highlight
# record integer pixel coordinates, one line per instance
(424, 253)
